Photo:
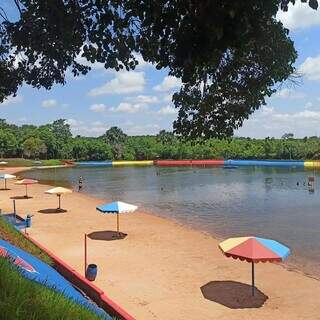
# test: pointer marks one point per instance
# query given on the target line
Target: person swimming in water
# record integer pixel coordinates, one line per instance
(80, 183)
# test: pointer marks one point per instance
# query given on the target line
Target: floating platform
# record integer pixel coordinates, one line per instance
(265, 163)
(94, 164)
(189, 163)
(228, 164)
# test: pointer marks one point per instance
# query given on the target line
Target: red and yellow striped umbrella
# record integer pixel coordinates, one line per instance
(254, 250)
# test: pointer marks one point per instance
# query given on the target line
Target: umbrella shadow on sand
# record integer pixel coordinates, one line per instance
(20, 197)
(234, 295)
(4, 189)
(50, 211)
(107, 235)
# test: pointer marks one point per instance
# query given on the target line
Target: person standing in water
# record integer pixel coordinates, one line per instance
(80, 183)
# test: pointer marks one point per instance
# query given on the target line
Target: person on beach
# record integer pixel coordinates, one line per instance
(80, 183)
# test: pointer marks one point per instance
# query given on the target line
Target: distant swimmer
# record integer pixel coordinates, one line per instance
(298, 183)
(80, 183)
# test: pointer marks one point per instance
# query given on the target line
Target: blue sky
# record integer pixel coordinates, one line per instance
(140, 101)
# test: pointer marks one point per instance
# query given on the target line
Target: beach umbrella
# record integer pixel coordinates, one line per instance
(59, 191)
(254, 250)
(26, 182)
(5, 177)
(117, 208)
(2, 163)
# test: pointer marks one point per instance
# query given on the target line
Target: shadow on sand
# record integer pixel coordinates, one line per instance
(50, 211)
(20, 197)
(234, 295)
(107, 235)
(4, 189)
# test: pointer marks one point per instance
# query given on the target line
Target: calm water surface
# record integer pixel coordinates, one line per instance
(234, 202)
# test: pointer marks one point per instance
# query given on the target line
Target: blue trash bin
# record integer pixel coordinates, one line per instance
(28, 221)
(91, 272)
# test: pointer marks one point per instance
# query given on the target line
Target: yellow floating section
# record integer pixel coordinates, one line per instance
(132, 163)
(312, 164)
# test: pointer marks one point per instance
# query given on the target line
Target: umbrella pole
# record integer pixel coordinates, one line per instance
(5, 184)
(59, 196)
(118, 222)
(26, 191)
(252, 274)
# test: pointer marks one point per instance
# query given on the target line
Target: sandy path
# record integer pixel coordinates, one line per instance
(157, 271)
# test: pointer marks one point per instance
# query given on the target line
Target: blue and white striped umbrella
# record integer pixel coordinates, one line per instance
(117, 207)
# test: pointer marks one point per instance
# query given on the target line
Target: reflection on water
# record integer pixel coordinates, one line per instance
(269, 202)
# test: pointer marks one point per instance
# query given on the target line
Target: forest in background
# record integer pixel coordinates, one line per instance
(55, 141)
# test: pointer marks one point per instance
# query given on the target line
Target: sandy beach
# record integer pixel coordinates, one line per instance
(161, 269)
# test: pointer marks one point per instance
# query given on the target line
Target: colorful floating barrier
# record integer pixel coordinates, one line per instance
(132, 163)
(204, 163)
(265, 163)
(312, 164)
(94, 164)
(34, 269)
(188, 163)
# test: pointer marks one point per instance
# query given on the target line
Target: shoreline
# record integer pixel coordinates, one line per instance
(160, 268)
(291, 267)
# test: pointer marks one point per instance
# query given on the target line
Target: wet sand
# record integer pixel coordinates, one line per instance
(161, 269)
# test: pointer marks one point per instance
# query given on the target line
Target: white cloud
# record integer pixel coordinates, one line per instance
(143, 99)
(123, 82)
(142, 63)
(308, 105)
(299, 16)
(100, 107)
(269, 122)
(129, 108)
(74, 122)
(167, 110)
(95, 128)
(287, 93)
(167, 98)
(310, 68)
(50, 103)
(11, 100)
(142, 129)
(168, 83)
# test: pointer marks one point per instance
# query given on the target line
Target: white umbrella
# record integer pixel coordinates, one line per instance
(59, 191)
(5, 176)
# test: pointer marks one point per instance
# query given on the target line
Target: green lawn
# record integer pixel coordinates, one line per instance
(22, 299)
(19, 162)
(10, 234)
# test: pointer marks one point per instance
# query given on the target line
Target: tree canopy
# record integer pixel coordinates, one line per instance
(40, 142)
(229, 54)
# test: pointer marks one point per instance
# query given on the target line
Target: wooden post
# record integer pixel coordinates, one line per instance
(252, 274)
(14, 211)
(85, 254)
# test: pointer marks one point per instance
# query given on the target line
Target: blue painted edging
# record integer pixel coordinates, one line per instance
(34, 269)
(94, 164)
(265, 163)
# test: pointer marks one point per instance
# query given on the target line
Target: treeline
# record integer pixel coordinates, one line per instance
(55, 141)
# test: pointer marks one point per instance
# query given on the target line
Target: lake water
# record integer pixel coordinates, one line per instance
(226, 202)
